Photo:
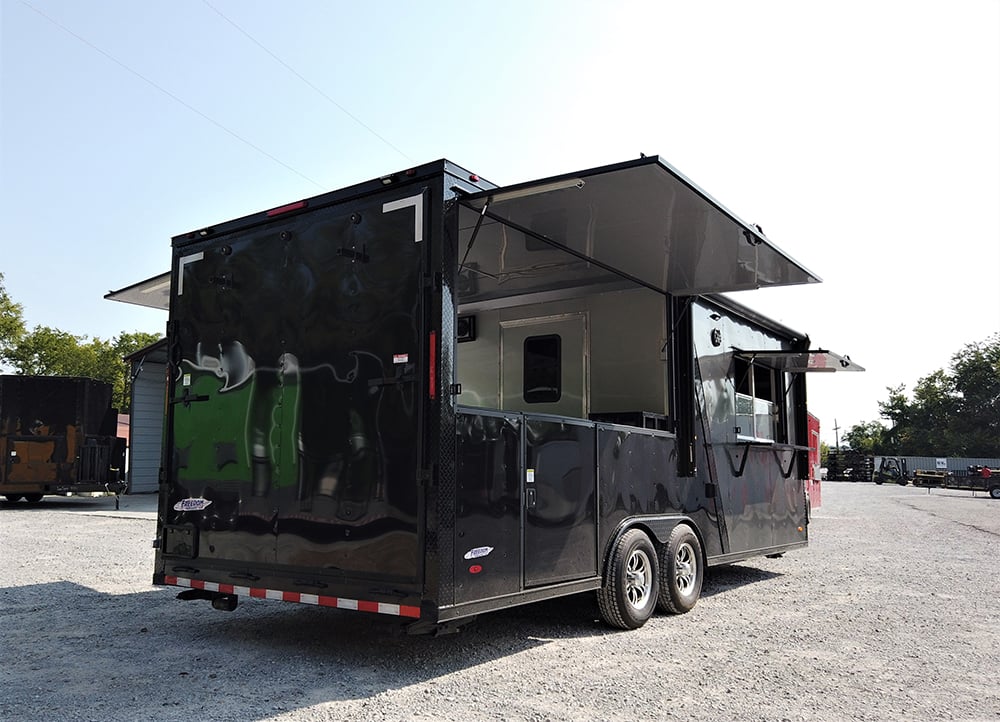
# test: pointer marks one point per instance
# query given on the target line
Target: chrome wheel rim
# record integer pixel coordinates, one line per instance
(638, 579)
(685, 569)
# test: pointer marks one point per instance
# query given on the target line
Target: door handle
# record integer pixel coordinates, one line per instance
(530, 498)
(188, 397)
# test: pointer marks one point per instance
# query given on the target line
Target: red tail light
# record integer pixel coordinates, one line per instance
(432, 365)
(287, 209)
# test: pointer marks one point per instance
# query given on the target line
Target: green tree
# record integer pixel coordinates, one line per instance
(954, 412)
(896, 409)
(46, 351)
(117, 349)
(976, 385)
(868, 438)
(11, 322)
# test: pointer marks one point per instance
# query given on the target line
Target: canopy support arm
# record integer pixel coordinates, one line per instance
(475, 232)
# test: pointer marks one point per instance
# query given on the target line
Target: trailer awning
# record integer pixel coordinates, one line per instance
(153, 293)
(799, 361)
(641, 221)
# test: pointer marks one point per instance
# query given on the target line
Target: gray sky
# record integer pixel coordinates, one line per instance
(864, 137)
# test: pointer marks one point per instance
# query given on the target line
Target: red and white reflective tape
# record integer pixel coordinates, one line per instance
(399, 610)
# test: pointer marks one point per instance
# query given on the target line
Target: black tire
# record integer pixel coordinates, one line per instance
(995, 492)
(682, 571)
(631, 583)
(33, 498)
(13, 497)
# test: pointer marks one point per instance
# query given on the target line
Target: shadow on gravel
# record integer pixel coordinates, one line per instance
(722, 579)
(79, 503)
(151, 656)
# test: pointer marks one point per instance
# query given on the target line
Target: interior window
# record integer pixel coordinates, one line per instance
(542, 369)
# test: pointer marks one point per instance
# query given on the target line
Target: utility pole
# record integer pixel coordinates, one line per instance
(836, 436)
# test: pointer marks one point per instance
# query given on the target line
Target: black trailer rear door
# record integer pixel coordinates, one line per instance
(294, 405)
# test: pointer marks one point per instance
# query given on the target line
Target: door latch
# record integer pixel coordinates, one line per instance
(530, 498)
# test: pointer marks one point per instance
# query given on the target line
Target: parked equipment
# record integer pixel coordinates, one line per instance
(431, 397)
(58, 435)
(892, 469)
(849, 465)
(929, 477)
(978, 478)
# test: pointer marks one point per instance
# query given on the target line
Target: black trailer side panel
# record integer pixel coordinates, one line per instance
(752, 428)
(638, 479)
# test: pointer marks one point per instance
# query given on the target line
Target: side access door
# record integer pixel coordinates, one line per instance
(544, 371)
(526, 506)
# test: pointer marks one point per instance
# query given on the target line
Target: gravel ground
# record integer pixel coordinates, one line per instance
(892, 613)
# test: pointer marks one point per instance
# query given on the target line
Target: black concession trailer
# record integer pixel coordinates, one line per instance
(431, 397)
(58, 435)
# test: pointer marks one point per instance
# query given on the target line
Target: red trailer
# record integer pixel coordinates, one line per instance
(813, 488)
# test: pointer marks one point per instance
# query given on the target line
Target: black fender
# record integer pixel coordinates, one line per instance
(657, 528)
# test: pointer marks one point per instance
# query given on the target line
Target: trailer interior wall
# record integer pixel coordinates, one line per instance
(609, 366)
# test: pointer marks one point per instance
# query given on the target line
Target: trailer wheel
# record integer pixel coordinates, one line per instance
(682, 571)
(13, 497)
(628, 596)
(995, 492)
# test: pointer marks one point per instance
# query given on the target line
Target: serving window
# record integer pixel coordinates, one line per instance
(757, 400)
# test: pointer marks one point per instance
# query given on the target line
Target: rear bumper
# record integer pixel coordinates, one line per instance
(359, 605)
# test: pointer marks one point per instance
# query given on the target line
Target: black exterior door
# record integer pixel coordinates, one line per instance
(560, 528)
(294, 407)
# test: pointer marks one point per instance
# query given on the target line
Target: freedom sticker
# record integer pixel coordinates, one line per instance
(192, 504)
(478, 552)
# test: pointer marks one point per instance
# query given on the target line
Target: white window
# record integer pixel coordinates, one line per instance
(757, 396)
